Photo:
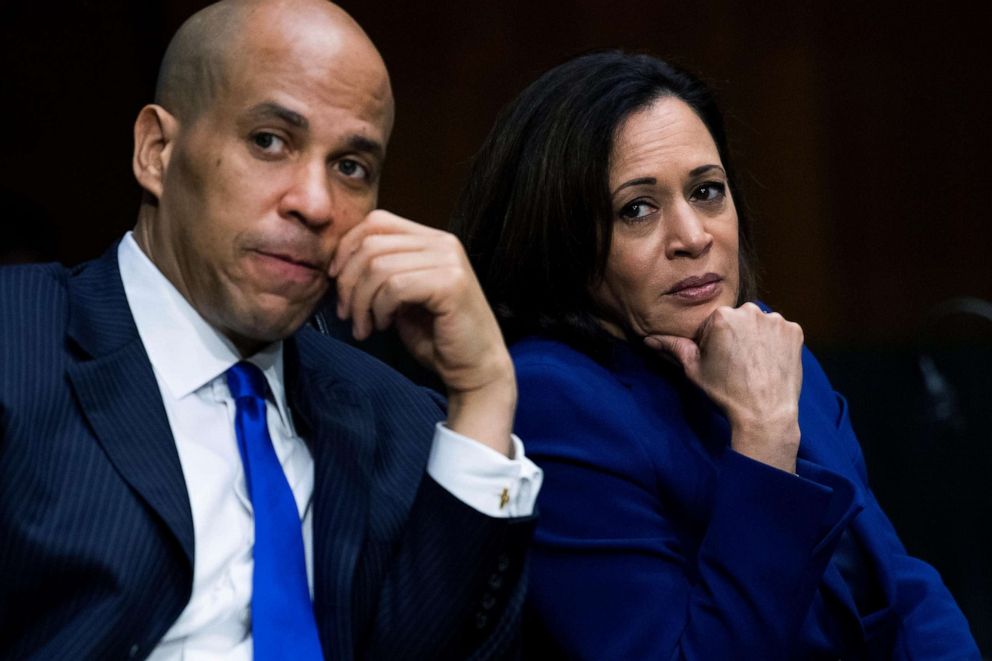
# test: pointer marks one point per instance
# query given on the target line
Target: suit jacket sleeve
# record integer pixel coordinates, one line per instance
(455, 589)
(649, 549)
(403, 569)
(929, 623)
(461, 575)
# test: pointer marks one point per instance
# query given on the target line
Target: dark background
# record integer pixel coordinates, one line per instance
(862, 130)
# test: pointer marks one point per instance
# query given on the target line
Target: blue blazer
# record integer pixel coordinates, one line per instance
(96, 535)
(657, 541)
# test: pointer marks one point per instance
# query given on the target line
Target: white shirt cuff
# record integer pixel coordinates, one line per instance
(481, 477)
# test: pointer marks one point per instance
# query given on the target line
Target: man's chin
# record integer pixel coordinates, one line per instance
(255, 329)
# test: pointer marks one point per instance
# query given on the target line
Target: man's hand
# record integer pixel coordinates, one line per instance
(750, 364)
(390, 270)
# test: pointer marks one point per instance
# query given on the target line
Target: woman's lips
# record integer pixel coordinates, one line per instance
(697, 289)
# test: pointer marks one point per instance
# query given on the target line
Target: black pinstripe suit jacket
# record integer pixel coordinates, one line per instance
(96, 535)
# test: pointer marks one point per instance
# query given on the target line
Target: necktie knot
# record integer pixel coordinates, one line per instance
(246, 380)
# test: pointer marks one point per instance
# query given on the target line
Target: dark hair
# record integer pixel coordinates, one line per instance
(536, 215)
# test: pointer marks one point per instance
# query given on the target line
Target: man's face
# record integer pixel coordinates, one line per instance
(259, 187)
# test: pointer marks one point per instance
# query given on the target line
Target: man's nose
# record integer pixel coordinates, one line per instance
(309, 198)
(686, 233)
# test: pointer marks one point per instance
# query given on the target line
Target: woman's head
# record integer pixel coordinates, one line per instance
(563, 246)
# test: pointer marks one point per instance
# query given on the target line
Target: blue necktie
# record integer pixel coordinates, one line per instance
(283, 625)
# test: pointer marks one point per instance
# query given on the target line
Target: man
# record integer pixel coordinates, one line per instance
(163, 408)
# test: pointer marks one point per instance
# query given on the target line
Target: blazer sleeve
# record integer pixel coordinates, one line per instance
(624, 564)
(929, 623)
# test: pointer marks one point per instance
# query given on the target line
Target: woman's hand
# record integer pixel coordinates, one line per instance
(750, 364)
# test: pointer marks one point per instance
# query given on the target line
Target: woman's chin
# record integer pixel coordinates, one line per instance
(687, 323)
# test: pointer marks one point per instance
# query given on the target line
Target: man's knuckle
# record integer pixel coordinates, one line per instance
(377, 215)
(377, 266)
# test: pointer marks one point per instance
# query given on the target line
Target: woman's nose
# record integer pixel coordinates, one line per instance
(686, 233)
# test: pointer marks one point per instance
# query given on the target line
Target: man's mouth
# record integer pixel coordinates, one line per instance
(291, 259)
(281, 268)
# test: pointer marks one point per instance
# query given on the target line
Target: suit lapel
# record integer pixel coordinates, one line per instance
(118, 393)
(338, 425)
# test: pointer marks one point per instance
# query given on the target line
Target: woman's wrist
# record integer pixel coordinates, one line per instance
(771, 441)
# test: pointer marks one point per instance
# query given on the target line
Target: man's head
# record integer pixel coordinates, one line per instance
(264, 146)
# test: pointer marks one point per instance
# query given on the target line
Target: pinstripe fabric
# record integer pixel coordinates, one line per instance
(88, 567)
(96, 535)
(415, 578)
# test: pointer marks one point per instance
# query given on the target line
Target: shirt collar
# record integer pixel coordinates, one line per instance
(186, 352)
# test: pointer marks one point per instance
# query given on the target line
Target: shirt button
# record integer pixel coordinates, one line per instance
(480, 620)
(495, 581)
(503, 562)
(133, 652)
(488, 601)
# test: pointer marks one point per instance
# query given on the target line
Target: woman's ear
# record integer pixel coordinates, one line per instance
(155, 130)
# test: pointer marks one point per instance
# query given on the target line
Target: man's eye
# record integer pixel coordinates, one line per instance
(268, 142)
(352, 168)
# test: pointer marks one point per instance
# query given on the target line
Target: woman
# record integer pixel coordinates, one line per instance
(705, 496)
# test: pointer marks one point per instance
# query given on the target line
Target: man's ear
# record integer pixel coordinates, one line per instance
(155, 132)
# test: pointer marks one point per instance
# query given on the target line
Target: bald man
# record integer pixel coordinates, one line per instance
(187, 470)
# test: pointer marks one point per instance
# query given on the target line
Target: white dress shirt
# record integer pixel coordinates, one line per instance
(190, 359)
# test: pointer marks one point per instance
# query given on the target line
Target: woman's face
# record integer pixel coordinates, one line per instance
(674, 254)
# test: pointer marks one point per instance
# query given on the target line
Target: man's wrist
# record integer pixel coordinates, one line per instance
(485, 414)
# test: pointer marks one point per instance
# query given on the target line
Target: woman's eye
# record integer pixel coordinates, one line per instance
(268, 142)
(709, 192)
(635, 210)
(352, 168)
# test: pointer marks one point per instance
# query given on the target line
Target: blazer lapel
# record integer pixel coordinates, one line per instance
(117, 391)
(338, 425)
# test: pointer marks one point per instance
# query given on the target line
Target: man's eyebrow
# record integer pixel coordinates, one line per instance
(360, 143)
(270, 110)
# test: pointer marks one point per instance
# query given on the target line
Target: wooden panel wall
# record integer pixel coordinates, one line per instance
(862, 128)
